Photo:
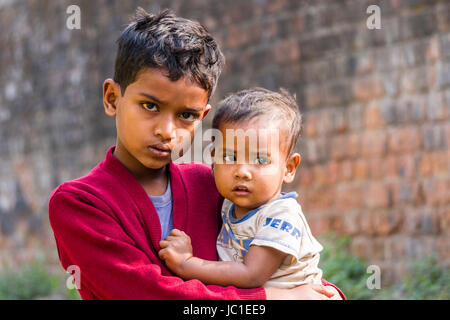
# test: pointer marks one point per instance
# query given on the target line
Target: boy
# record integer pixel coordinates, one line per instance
(265, 239)
(105, 223)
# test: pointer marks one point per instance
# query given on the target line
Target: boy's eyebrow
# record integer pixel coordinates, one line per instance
(192, 109)
(151, 97)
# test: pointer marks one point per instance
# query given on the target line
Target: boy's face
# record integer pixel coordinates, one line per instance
(251, 174)
(149, 113)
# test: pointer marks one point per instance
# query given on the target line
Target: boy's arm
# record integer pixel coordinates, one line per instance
(259, 264)
(110, 265)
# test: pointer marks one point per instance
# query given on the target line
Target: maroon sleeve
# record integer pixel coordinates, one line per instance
(111, 266)
(326, 283)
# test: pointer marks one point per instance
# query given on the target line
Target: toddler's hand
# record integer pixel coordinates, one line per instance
(176, 249)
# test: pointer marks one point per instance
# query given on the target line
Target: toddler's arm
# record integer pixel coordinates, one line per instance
(259, 263)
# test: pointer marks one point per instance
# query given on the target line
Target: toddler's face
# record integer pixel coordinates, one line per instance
(251, 163)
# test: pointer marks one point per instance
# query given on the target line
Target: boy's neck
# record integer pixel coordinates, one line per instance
(154, 181)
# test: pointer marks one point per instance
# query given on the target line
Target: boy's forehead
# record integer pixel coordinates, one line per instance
(157, 80)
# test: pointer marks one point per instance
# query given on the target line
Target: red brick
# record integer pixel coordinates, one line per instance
(318, 199)
(395, 247)
(287, 51)
(378, 249)
(404, 193)
(353, 145)
(372, 116)
(306, 177)
(406, 167)
(348, 198)
(310, 125)
(362, 247)
(333, 172)
(320, 175)
(445, 221)
(426, 165)
(350, 224)
(360, 169)
(373, 143)
(439, 162)
(345, 171)
(388, 222)
(368, 88)
(391, 166)
(338, 147)
(433, 49)
(406, 139)
(376, 170)
(437, 191)
(366, 223)
(376, 196)
(314, 96)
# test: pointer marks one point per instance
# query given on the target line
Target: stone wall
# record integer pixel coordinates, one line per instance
(376, 107)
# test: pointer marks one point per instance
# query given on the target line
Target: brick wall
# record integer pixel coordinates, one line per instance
(376, 106)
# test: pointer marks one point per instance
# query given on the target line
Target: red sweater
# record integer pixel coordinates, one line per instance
(105, 224)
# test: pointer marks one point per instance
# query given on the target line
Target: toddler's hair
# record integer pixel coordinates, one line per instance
(178, 46)
(251, 103)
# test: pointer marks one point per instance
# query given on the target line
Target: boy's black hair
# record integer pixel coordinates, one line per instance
(252, 103)
(178, 46)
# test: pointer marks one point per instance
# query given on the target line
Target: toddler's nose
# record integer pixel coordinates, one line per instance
(243, 172)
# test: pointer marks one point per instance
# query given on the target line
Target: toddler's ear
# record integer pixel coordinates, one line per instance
(291, 167)
(111, 92)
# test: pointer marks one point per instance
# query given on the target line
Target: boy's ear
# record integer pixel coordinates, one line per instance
(111, 93)
(291, 167)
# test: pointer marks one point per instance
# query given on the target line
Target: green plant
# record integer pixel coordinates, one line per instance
(29, 282)
(343, 269)
(427, 280)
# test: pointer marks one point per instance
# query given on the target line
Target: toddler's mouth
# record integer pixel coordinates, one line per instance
(241, 190)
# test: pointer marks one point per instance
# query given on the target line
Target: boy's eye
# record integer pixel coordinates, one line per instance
(189, 116)
(262, 160)
(150, 106)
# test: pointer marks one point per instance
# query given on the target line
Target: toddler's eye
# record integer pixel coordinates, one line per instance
(150, 106)
(262, 160)
(229, 157)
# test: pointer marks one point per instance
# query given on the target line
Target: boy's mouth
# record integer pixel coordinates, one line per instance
(160, 150)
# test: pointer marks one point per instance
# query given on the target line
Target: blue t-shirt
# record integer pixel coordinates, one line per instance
(163, 206)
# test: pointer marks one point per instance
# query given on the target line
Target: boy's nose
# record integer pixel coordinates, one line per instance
(165, 128)
(243, 172)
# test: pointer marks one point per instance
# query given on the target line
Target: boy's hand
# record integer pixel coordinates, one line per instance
(303, 292)
(176, 249)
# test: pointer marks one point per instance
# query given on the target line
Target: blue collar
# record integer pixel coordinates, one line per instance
(285, 195)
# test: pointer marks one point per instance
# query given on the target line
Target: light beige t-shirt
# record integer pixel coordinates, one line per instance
(279, 224)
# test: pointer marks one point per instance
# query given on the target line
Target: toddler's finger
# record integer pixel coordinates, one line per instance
(162, 254)
(163, 243)
(176, 232)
